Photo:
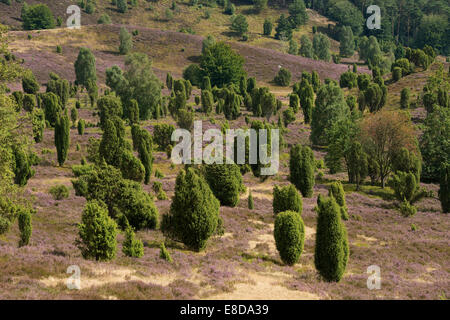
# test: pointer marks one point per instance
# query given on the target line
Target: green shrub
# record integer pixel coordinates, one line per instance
(104, 19)
(251, 205)
(337, 191)
(288, 116)
(105, 183)
(225, 181)
(194, 212)
(407, 209)
(404, 98)
(331, 251)
(25, 226)
(289, 233)
(301, 168)
(81, 126)
(158, 174)
(267, 27)
(348, 80)
(62, 137)
(132, 247)
(59, 192)
(283, 78)
(22, 166)
(164, 254)
(29, 102)
(51, 106)
(157, 188)
(286, 199)
(444, 191)
(38, 123)
(97, 232)
(397, 74)
(294, 102)
(38, 16)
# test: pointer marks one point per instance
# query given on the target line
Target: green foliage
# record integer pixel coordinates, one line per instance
(283, 31)
(347, 43)
(194, 212)
(85, 70)
(306, 48)
(444, 190)
(321, 46)
(251, 205)
(259, 5)
(404, 98)
(164, 254)
(109, 107)
(348, 80)
(289, 233)
(435, 143)
(294, 102)
(123, 196)
(301, 169)
(60, 87)
(37, 17)
(396, 73)
(38, 123)
(97, 232)
(62, 137)
(29, 102)
(132, 247)
(194, 74)
(104, 19)
(126, 41)
(286, 199)
(29, 83)
(162, 135)
(337, 191)
(158, 189)
(207, 101)
(283, 78)
(288, 116)
(330, 107)
(407, 161)
(185, 119)
(267, 27)
(347, 14)
(81, 126)
(407, 209)
(208, 42)
(239, 24)
(59, 192)
(225, 181)
(331, 250)
(122, 6)
(25, 226)
(222, 65)
(297, 13)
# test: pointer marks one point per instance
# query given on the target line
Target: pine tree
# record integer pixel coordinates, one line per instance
(194, 212)
(289, 233)
(301, 168)
(38, 122)
(267, 27)
(225, 181)
(347, 43)
(404, 98)
(286, 199)
(126, 41)
(337, 191)
(294, 102)
(444, 191)
(331, 251)
(97, 232)
(207, 101)
(132, 247)
(251, 205)
(85, 67)
(62, 137)
(25, 226)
